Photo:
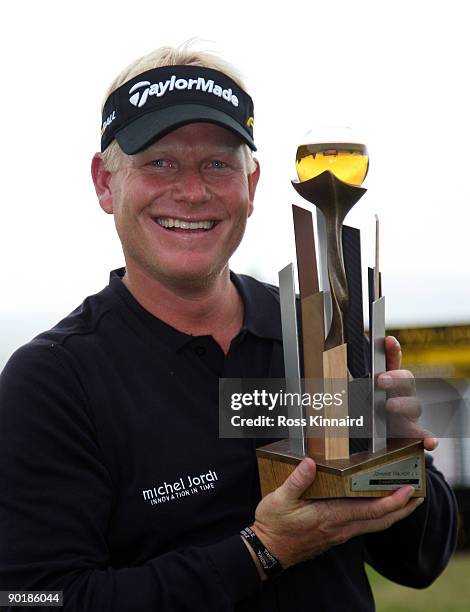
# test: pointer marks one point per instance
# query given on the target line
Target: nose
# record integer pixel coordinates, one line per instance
(191, 188)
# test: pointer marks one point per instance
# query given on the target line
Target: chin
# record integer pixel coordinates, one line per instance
(192, 270)
(199, 276)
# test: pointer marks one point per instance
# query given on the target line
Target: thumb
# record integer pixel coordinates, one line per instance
(299, 481)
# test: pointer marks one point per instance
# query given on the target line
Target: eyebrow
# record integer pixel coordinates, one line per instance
(163, 150)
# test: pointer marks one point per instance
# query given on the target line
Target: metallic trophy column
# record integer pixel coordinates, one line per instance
(291, 356)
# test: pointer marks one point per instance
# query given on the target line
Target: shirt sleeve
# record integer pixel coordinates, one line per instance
(56, 499)
(414, 551)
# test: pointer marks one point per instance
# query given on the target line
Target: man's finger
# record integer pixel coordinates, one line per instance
(384, 522)
(299, 481)
(409, 407)
(397, 383)
(371, 509)
(393, 353)
(430, 443)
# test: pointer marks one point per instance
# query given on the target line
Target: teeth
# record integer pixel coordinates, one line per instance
(192, 225)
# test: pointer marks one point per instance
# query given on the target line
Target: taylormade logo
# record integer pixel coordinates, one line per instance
(140, 92)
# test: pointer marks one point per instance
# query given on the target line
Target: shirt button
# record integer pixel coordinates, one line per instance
(200, 350)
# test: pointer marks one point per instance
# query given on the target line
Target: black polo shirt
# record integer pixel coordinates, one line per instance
(117, 489)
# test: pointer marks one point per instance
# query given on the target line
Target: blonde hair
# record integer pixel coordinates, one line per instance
(183, 55)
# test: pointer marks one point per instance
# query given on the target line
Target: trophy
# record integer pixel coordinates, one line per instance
(332, 347)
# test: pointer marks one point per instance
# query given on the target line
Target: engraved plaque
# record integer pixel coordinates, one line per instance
(390, 476)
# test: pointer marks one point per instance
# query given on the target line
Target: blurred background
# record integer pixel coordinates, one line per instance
(394, 71)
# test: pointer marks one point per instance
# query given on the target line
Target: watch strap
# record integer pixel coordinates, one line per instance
(272, 567)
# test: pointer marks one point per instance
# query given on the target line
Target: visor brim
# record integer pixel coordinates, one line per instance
(152, 126)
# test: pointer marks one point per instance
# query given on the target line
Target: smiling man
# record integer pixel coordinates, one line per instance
(116, 488)
(180, 208)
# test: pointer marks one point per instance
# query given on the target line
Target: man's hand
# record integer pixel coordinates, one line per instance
(402, 404)
(294, 529)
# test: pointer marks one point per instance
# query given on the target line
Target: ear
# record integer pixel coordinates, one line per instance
(101, 179)
(253, 179)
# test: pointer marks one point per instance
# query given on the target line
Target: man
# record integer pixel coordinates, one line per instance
(115, 486)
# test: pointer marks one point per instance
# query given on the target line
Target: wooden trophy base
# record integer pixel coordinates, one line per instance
(362, 475)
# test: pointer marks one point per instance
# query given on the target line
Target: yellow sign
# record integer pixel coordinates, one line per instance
(436, 351)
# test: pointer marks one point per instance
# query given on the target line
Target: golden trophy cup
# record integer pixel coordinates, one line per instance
(331, 352)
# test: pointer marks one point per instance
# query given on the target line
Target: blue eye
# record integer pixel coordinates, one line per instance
(166, 164)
